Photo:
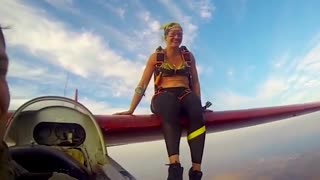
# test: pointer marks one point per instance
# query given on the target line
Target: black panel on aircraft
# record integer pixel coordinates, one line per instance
(59, 134)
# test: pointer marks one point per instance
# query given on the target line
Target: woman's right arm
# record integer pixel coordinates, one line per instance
(142, 85)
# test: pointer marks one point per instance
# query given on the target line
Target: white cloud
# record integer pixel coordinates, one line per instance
(231, 100)
(203, 8)
(271, 88)
(281, 61)
(154, 26)
(126, 41)
(67, 5)
(304, 85)
(96, 107)
(311, 60)
(100, 107)
(204, 70)
(17, 102)
(230, 72)
(296, 82)
(238, 9)
(60, 3)
(31, 71)
(119, 11)
(141, 39)
(22, 92)
(84, 54)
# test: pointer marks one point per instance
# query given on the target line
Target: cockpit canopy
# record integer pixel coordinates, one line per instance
(58, 122)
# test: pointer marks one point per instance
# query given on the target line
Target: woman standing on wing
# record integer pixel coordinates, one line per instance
(177, 90)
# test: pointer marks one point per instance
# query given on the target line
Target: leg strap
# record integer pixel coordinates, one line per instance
(184, 94)
(196, 133)
(159, 91)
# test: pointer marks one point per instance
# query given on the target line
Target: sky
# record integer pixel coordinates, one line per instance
(249, 53)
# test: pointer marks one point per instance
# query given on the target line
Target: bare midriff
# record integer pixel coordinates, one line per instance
(175, 81)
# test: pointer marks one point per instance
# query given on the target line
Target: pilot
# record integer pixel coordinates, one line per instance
(177, 90)
(9, 169)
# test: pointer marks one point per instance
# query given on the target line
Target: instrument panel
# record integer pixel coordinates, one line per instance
(59, 134)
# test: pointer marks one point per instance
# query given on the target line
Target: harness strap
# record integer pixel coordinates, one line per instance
(187, 58)
(160, 59)
(159, 91)
(184, 94)
(186, 54)
(157, 75)
(180, 97)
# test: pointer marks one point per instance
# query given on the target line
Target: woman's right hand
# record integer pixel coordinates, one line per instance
(124, 113)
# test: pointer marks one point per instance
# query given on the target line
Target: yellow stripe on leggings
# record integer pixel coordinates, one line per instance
(197, 133)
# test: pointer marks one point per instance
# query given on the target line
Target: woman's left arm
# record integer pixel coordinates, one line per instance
(195, 78)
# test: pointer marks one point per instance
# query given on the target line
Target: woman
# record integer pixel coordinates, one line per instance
(177, 90)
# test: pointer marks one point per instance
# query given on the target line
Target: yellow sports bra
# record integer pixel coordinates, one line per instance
(167, 65)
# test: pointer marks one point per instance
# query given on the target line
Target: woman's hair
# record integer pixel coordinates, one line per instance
(166, 27)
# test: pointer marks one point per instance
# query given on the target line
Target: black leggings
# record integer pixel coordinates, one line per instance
(169, 107)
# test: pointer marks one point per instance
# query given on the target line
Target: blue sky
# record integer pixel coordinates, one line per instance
(249, 53)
